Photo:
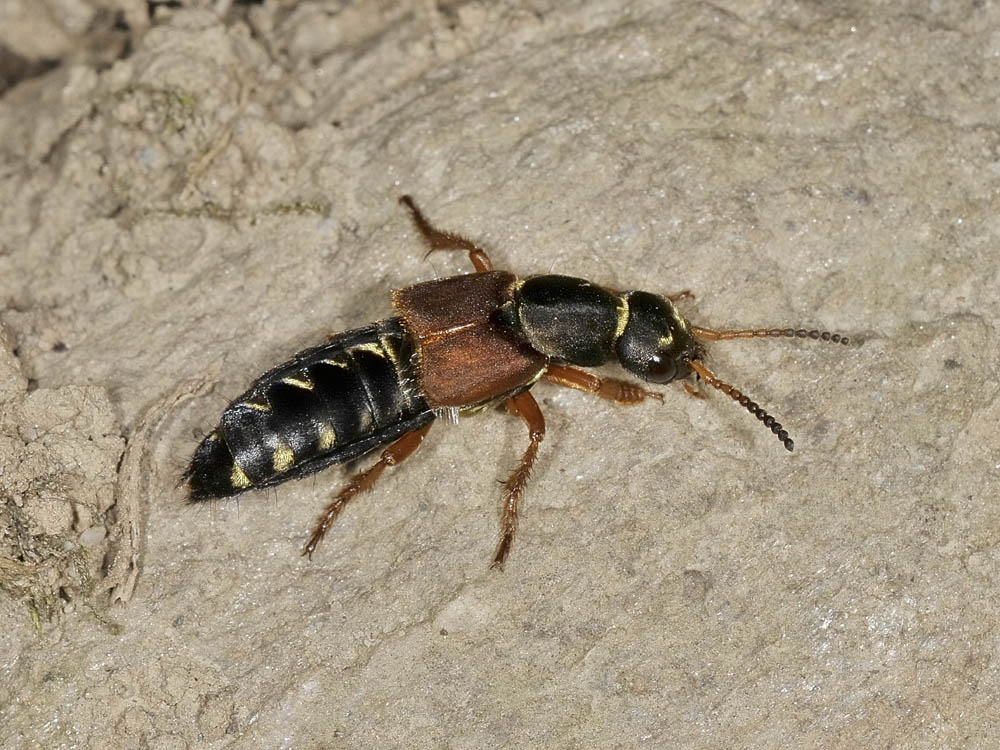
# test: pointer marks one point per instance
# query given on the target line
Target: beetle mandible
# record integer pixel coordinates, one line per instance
(458, 345)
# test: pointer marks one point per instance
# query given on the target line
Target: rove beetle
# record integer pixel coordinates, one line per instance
(458, 345)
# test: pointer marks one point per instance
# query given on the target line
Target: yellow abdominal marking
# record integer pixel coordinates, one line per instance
(622, 317)
(327, 437)
(238, 479)
(257, 405)
(371, 347)
(387, 351)
(283, 457)
(303, 383)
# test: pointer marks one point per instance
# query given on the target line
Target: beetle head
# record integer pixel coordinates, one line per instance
(656, 343)
(659, 346)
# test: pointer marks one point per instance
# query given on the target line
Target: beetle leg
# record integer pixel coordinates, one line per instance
(439, 240)
(612, 389)
(683, 294)
(524, 406)
(395, 454)
(692, 390)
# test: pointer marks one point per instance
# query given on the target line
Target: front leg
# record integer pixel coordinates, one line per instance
(612, 389)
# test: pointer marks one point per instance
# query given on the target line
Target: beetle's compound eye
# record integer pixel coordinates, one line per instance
(654, 343)
(660, 369)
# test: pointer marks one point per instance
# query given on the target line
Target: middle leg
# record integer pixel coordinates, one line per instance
(524, 406)
(439, 240)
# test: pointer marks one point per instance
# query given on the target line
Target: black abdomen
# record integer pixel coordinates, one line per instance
(327, 405)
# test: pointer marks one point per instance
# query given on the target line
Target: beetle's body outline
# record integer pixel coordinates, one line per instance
(461, 343)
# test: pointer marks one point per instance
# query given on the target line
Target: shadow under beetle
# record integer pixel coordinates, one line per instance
(458, 345)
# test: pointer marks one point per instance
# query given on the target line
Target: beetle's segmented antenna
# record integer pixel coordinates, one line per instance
(710, 334)
(745, 401)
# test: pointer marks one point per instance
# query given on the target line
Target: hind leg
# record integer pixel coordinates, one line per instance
(363, 481)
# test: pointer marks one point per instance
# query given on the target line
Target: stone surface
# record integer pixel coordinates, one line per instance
(178, 221)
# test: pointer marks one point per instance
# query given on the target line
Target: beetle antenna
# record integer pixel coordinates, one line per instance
(710, 334)
(745, 401)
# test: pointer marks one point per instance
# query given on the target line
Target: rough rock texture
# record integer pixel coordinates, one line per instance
(194, 196)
